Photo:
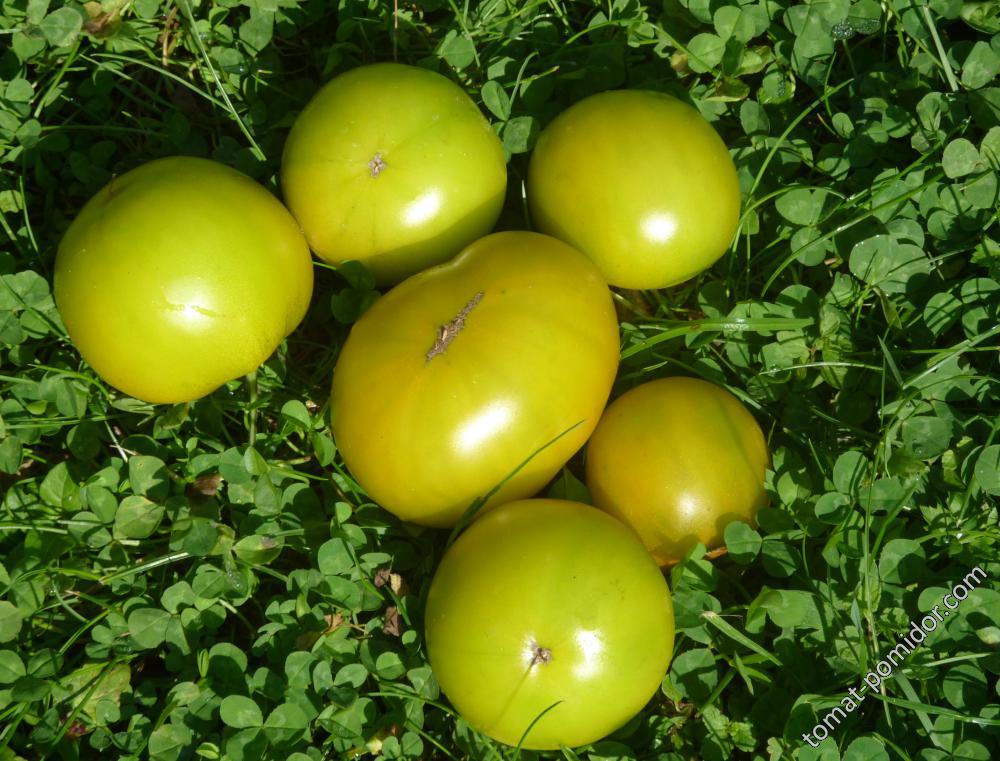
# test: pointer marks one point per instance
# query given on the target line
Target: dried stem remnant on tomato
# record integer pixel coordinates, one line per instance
(448, 331)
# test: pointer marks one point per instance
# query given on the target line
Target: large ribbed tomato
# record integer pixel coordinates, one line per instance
(459, 374)
(678, 459)
(394, 166)
(179, 276)
(638, 181)
(551, 609)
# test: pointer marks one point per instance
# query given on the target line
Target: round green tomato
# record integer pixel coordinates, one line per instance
(546, 604)
(459, 375)
(394, 166)
(181, 275)
(678, 459)
(638, 181)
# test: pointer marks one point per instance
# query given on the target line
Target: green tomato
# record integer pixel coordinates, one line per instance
(459, 375)
(678, 459)
(394, 166)
(638, 181)
(181, 275)
(551, 609)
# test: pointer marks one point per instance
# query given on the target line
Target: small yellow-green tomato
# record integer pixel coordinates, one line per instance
(394, 166)
(461, 374)
(678, 459)
(639, 182)
(550, 610)
(181, 275)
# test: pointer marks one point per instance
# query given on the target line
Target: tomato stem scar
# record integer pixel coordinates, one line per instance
(376, 165)
(540, 655)
(448, 331)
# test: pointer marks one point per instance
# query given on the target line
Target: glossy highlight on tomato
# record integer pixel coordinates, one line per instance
(180, 275)
(639, 182)
(460, 375)
(552, 609)
(678, 459)
(394, 166)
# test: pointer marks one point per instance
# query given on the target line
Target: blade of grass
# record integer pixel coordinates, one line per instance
(477, 505)
(735, 634)
(185, 7)
(680, 328)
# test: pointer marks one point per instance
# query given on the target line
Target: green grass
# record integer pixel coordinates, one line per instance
(857, 315)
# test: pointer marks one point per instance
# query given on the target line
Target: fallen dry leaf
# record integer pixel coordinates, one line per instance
(393, 625)
(384, 576)
(204, 486)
